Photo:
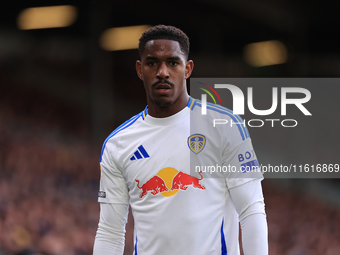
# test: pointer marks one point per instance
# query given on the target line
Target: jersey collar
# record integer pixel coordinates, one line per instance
(168, 120)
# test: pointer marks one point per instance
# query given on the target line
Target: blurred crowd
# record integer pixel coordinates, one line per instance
(49, 179)
(300, 224)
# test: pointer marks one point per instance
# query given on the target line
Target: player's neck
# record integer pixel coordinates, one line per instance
(157, 111)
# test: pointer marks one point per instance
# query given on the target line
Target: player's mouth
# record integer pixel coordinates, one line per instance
(163, 88)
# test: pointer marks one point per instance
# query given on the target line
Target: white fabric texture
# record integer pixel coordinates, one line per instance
(249, 204)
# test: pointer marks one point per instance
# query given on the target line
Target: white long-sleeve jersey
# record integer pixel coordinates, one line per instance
(189, 183)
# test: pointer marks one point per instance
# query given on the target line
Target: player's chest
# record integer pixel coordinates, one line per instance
(164, 152)
(153, 148)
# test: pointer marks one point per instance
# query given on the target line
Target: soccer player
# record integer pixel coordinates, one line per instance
(147, 162)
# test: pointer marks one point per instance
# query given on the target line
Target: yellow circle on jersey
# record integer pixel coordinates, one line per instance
(168, 174)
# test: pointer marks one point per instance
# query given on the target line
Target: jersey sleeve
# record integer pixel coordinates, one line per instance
(110, 235)
(113, 197)
(239, 157)
(249, 204)
(113, 187)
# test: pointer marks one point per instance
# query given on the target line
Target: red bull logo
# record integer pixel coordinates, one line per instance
(183, 180)
(155, 185)
(168, 182)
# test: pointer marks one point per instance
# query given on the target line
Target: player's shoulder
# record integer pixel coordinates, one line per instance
(213, 110)
(220, 117)
(126, 127)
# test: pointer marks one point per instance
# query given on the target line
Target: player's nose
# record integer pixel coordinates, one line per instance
(163, 71)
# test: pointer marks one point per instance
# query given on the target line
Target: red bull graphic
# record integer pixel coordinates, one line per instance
(168, 182)
(183, 180)
(155, 185)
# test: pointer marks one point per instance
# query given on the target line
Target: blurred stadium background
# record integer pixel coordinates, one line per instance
(64, 86)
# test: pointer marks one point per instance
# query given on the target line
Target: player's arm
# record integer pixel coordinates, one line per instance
(245, 189)
(114, 201)
(110, 235)
(249, 204)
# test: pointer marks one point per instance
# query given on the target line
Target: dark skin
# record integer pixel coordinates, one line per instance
(164, 70)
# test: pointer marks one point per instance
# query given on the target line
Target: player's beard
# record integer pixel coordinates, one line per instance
(163, 104)
(158, 101)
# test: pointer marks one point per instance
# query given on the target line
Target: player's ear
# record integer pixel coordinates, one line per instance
(139, 69)
(189, 66)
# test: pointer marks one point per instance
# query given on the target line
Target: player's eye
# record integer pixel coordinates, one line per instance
(173, 63)
(151, 63)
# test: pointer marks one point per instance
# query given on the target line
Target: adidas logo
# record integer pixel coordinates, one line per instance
(139, 154)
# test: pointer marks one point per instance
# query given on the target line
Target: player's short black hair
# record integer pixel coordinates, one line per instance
(164, 32)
